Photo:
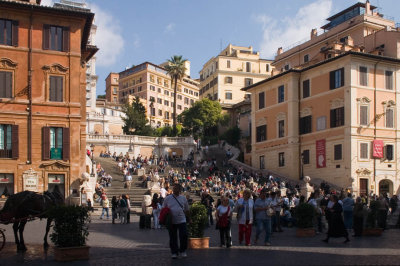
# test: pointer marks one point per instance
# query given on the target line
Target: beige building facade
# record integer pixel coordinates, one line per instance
(334, 117)
(151, 83)
(112, 85)
(236, 67)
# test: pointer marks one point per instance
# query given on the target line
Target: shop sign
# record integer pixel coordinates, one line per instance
(30, 179)
(56, 179)
(6, 179)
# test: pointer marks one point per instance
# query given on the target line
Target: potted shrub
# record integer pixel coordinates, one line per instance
(70, 232)
(304, 218)
(372, 216)
(197, 225)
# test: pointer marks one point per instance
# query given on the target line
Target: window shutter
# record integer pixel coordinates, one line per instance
(66, 144)
(65, 39)
(342, 77)
(59, 86)
(14, 40)
(53, 89)
(333, 118)
(14, 142)
(45, 143)
(364, 115)
(389, 118)
(8, 85)
(332, 80)
(389, 152)
(46, 37)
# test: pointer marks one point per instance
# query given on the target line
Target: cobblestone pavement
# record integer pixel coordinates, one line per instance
(127, 245)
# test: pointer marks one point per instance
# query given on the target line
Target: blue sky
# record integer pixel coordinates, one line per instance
(131, 32)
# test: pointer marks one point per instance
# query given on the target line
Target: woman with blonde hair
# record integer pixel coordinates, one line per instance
(244, 208)
(223, 217)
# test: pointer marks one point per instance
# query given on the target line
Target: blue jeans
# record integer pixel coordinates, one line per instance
(173, 238)
(264, 224)
(105, 210)
(348, 219)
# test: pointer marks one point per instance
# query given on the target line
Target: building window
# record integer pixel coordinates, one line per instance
(389, 80)
(321, 123)
(389, 152)
(139, 89)
(152, 88)
(179, 107)
(166, 92)
(337, 152)
(305, 125)
(56, 38)
(364, 115)
(306, 88)
(186, 100)
(114, 90)
(281, 159)
(248, 82)
(56, 88)
(262, 162)
(389, 118)
(281, 94)
(8, 141)
(306, 156)
(152, 99)
(166, 115)
(281, 128)
(191, 101)
(363, 76)
(228, 95)
(160, 112)
(336, 78)
(261, 133)
(115, 99)
(166, 103)
(286, 67)
(179, 97)
(267, 67)
(159, 90)
(153, 111)
(248, 67)
(228, 80)
(363, 150)
(337, 117)
(6, 84)
(228, 64)
(261, 100)
(56, 143)
(8, 32)
(306, 58)
(159, 100)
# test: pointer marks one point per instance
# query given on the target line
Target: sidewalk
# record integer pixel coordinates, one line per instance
(127, 245)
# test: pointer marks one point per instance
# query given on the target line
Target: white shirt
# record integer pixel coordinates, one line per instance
(177, 212)
(222, 210)
(163, 192)
(250, 205)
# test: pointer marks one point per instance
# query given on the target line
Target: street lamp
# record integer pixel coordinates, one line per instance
(130, 144)
(302, 166)
(92, 150)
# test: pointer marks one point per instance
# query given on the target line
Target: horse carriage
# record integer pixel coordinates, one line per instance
(26, 206)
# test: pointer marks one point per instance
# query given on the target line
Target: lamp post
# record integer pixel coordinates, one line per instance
(302, 166)
(130, 144)
(93, 162)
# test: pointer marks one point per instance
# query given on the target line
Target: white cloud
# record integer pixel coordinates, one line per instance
(47, 3)
(289, 30)
(108, 37)
(169, 28)
(136, 41)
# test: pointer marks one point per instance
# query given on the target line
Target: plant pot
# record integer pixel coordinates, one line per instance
(71, 253)
(372, 231)
(199, 243)
(305, 232)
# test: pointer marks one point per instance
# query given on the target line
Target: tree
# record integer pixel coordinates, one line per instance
(135, 118)
(103, 96)
(202, 116)
(176, 69)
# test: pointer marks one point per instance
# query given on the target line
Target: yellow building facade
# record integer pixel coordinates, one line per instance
(236, 67)
(334, 117)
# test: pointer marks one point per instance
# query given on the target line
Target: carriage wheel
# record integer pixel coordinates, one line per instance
(2, 239)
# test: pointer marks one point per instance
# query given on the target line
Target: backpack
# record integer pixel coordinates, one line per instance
(122, 203)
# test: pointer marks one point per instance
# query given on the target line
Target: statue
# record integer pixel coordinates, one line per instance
(306, 189)
(155, 184)
(86, 188)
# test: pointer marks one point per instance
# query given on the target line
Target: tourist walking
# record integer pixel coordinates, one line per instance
(155, 204)
(123, 209)
(179, 209)
(358, 217)
(223, 217)
(348, 205)
(207, 200)
(244, 207)
(277, 205)
(262, 207)
(105, 204)
(114, 208)
(383, 208)
(336, 224)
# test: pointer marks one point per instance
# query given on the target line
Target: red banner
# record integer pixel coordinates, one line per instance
(320, 147)
(378, 148)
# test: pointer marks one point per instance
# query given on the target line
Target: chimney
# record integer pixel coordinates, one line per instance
(367, 8)
(313, 33)
(280, 50)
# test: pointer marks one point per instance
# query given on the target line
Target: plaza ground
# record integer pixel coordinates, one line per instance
(128, 245)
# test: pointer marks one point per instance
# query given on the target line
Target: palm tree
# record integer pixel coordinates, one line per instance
(176, 69)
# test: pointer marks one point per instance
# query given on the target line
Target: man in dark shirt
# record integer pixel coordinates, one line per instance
(207, 201)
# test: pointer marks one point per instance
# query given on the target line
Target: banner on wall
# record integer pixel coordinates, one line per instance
(320, 147)
(378, 148)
